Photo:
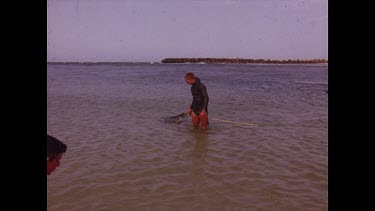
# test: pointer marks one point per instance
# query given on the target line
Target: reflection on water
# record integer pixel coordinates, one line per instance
(199, 151)
(123, 156)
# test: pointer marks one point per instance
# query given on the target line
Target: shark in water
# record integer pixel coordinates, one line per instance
(177, 118)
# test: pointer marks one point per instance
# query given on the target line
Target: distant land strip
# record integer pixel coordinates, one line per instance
(241, 61)
(210, 61)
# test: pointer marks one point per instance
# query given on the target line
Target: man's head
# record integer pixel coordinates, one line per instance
(55, 149)
(189, 78)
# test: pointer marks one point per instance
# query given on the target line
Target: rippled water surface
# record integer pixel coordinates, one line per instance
(266, 147)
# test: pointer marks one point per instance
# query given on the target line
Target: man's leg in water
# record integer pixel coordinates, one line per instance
(195, 119)
(204, 120)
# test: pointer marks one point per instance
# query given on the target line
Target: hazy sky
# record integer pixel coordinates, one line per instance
(150, 30)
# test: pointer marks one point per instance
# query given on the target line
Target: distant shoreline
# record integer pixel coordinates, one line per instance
(209, 61)
(242, 61)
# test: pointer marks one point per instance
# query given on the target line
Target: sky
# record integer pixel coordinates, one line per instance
(151, 30)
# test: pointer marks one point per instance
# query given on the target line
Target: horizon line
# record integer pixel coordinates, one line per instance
(184, 58)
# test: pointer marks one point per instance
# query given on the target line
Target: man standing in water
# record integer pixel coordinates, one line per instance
(55, 149)
(198, 108)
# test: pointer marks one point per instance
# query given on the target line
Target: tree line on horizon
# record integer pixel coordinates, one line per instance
(213, 61)
(241, 61)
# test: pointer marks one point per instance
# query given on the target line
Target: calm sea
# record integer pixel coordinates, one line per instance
(266, 147)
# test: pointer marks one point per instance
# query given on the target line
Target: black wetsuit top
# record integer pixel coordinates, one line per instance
(200, 97)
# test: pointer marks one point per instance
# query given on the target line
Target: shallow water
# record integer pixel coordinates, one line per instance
(266, 147)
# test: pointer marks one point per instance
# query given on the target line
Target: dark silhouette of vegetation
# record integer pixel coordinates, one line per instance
(240, 61)
(210, 61)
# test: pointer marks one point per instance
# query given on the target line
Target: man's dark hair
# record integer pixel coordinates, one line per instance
(189, 76)
(54, 147)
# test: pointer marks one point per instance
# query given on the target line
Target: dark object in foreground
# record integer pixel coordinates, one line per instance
(177, 118)
(55, 150)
